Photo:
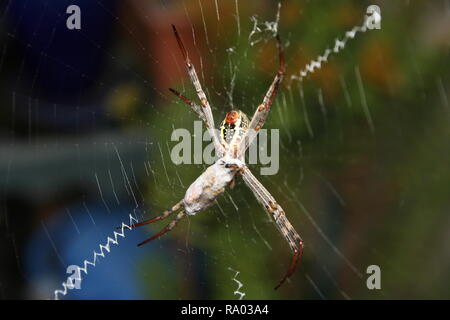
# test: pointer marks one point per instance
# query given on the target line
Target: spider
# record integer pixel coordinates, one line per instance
(236, 134)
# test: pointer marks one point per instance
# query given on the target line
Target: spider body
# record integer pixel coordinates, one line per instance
(233, 129)
(236, 134)
(210, 184)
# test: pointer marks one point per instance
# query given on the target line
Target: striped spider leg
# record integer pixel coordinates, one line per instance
(204, 110)
(165, 214)
(192, 104)
(274, 209)
(262, 195)
(261, 113)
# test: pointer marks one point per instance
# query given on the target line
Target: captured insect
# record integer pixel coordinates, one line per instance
(236, 134)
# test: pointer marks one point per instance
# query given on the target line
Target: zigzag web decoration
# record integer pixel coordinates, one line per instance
(369, 23)
(74, 280)
(240, 285)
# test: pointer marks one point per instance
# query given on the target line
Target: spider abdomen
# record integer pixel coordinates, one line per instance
(210, 184)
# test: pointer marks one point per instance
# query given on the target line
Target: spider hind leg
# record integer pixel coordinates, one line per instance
(166, 229)
(294, 262)
(165, 214)
(282, 223)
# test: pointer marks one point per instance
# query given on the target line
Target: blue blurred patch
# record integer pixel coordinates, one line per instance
(113, 277)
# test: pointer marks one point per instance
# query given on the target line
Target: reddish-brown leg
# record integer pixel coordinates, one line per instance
(293, 265)
(175, 92)
(194, 106)
(160, 217)
(166, 229)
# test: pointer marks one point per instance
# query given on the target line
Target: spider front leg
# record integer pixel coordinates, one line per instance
(205, 107)
(192, 104)
(212, 131)
(284, 226)
(261, 113)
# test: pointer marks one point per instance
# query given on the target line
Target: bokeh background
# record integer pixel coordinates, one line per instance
(85, 127)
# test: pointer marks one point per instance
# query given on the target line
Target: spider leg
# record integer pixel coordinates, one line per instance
(293, 266)
(206, 108)
(194, 106)
(157, 218)
(261, 113)
(166, 229)
(284, 226)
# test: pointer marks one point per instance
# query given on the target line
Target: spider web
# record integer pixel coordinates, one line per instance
(344, 126)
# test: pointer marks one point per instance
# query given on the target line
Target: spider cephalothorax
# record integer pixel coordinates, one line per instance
(236, 134)
(233, 127)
